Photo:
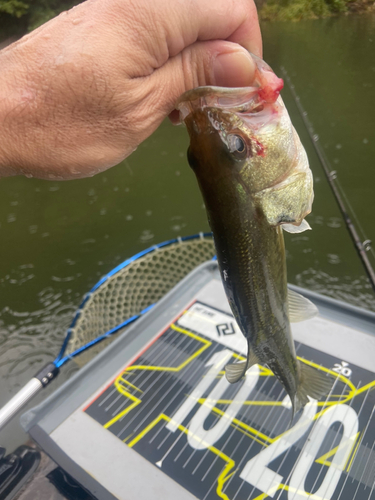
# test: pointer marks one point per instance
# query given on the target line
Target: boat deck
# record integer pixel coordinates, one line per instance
(153, 416)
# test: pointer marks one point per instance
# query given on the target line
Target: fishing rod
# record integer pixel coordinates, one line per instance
(361, 246)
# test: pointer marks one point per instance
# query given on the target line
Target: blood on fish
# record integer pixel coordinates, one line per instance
(260, 149)
(271, 86)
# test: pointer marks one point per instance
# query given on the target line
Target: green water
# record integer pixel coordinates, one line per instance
(58, 239)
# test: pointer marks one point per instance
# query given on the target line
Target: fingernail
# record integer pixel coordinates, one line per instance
(234, 69)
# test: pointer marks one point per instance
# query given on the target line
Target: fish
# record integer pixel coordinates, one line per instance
(254, 175)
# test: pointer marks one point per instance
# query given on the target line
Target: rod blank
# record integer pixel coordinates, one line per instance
(360, 246)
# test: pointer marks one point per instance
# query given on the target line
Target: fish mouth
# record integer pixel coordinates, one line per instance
(264, 91)
(240, 100)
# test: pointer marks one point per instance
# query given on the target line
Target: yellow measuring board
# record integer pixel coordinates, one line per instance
(173, 406)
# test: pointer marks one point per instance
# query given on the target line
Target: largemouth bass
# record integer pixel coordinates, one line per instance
(255, 179)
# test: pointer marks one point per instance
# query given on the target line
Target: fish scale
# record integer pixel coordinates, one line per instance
(254, 295)
(255, 180)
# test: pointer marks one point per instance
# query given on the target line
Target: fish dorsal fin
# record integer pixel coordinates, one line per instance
(235, 371)
(290, 228)
(300, 308)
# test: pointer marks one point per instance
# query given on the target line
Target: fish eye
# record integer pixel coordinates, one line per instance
(237, 146)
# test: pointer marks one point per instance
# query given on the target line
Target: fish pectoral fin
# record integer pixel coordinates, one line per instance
(290, 228)
(312, 382)
(300, 308)
(235, 371)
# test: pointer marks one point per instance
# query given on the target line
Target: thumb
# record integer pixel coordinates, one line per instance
(233, 69)
(220, 63)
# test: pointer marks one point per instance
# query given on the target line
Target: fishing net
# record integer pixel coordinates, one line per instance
(132, 287)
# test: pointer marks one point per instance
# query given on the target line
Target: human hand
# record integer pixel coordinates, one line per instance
(81, 92)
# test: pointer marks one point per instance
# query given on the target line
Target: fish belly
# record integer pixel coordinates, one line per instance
(251, 257)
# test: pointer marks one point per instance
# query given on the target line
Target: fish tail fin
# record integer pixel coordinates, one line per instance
(235, 371)
(312, 382)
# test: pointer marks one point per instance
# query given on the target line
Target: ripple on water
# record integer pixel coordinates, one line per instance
(19, 275)
(355, 291)
(146, 236)
(333, 259)
(11, 218)
(316, 219)
(334, 222)
(65, 279)
(36, 337)
(177, 228)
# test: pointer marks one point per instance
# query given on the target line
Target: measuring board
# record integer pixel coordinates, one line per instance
(166, 422)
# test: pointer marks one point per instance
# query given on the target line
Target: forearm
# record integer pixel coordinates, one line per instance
(54, 114)
(24, 126)
(10, 127)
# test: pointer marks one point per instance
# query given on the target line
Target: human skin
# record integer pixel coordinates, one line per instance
(81, 92)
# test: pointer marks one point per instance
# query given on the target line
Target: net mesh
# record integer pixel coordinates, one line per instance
(133, 288)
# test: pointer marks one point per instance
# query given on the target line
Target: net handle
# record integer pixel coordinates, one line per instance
(27, 393)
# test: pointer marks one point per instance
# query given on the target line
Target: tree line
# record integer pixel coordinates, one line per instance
(20, 16)
(294, 10)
